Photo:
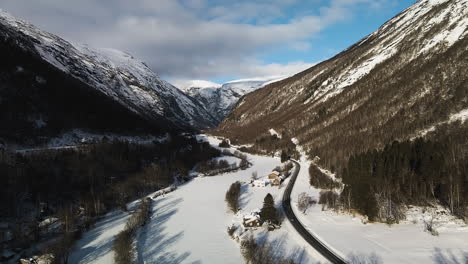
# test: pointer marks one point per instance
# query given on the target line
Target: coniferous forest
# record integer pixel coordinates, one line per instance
(417, 172)
(84, 183)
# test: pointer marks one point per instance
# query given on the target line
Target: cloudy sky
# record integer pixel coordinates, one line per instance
(214, 40)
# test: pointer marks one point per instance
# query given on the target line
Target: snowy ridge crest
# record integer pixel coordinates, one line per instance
(114, 73)
(220, 99)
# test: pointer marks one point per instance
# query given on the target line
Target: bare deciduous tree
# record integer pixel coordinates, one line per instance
(303, 202)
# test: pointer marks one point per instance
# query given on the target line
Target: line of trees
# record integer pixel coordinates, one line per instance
(320, 180)
(80, 185)
(409, 172)
(123, 242)
(214, 166)
(265, 253)
(271, 144)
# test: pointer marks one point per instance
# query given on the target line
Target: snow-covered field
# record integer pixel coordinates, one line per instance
(190, 224)
(402, 243)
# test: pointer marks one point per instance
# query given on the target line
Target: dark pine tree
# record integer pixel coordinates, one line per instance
(284, 156)
(269, 212)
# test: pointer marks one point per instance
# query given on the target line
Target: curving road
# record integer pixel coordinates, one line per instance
(311, 239)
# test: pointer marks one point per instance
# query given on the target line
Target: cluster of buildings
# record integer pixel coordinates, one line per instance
(274, 179)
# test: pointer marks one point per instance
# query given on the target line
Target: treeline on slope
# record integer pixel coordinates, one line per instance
(395, 101)
(320, 180)
(415, 172)
(216, 166)
(78, 185)
(269, 145)
(436, 86)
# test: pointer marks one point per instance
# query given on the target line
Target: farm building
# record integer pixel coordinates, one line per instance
(276, 181)
(259, 183)
(273, 175)
(252, 220)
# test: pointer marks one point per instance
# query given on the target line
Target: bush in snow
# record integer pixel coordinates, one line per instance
(320, 180)
(140, 216)
(254, 176)
(244, 164)
(329, 199)
(429, 226)
(213, 166)
(248, 248)
(364, 259)
(303, 202)
(232, 197)
(124, 251)
(285, 169)
(224, 144)
(265, 253)
(231, 230)
(60, 250)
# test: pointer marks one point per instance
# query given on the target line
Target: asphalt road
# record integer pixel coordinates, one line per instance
(311, 239)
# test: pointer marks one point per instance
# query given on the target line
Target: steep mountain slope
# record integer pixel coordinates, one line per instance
(48, 83)
(220, 99)
(401, 81)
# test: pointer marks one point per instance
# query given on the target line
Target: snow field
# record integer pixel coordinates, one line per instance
(406, 242)
(190, 224)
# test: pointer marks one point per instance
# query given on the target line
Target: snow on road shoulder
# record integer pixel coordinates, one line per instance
(401, 243)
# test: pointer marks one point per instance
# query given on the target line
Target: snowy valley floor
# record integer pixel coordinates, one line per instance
(190, 224)
(400, 243)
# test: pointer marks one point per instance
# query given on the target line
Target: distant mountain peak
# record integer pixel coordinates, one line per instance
(187, 85)
(220, 99)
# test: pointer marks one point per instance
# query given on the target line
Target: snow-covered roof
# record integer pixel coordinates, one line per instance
(260, 182)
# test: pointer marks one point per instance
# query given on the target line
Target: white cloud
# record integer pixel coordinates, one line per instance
(190, 38)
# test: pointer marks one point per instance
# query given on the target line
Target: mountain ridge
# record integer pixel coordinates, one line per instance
(424, 43)
(219, 99)
(126, 83)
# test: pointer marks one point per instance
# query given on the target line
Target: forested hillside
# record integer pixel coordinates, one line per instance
(76, 186)
(406, 80)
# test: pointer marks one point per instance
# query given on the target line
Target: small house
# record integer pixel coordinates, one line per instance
(276, 181)
(273, 175)
(259, 183)
(252, 220)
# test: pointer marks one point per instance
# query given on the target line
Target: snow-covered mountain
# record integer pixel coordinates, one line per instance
(186, 85)
(114, 75)
(220, 99)
(408, 76)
